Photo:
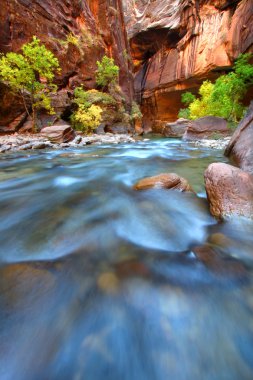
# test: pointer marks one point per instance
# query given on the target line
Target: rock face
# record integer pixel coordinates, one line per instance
(240, 147)
(98, 29)
(229, 191)
(118, 128)
(163, 181)
(178, 43)
(206, 127)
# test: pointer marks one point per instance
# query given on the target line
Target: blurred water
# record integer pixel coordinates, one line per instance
(98, 281)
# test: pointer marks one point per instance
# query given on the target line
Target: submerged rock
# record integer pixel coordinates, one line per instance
(164, 181)
(229, 190)
(218, 261)
(207, 127)
(240, 148)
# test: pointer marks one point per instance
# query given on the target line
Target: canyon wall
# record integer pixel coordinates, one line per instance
(176, 44)
(95, 26)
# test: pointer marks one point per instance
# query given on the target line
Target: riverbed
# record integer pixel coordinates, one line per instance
(99, 281)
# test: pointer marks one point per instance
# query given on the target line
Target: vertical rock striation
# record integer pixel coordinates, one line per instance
(177, 43)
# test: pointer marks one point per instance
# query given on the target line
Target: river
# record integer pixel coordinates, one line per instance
(100, 282)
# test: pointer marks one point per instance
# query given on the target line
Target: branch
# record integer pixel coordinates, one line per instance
(24, 102)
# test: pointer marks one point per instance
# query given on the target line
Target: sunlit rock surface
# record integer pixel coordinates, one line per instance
(229, 191)
(176, 44)
(240, 148)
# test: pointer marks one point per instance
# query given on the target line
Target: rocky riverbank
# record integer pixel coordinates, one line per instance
(215, 144)
(17, 142)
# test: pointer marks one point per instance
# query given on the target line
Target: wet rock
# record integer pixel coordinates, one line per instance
(163, 181)
(206, 127)
(41, 145)
(5, 148)
(229, 191)
(61, 133)
(240, 148)
(176, 129)
(26, 146)
(218, 261)
(77, 140)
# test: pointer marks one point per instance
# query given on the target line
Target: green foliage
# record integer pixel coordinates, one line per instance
(31, 75)
(71, 38)
(184, 113)
(87, 98)
(216, 136)
(87, 119)
(90, 105)
(202, 106)
(224, 97)
(188, 98)
(107, 72)
(135, 112)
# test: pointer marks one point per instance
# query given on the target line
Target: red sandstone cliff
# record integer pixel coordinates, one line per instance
(177, 43)
(98, 26)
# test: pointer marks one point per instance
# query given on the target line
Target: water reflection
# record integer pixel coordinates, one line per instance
(98, 281)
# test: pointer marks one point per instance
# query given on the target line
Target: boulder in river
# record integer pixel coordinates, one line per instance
(164, 181)
(229, 190)
(177, 128)
(207, 127)
(60, 133)
(240, 147)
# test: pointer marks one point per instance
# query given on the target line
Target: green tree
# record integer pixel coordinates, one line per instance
(224, 97)
(107, 72)
(31, 74)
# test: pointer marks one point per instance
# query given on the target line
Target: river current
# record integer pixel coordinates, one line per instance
(100, 282)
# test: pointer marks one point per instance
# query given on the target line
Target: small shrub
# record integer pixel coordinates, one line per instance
(184, 113)
(87, 98)
(87, 119)
(107, 72)
(135, 112)
(188, 98)
(73, 39)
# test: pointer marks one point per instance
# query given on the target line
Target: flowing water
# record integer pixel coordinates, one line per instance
(99, 281)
